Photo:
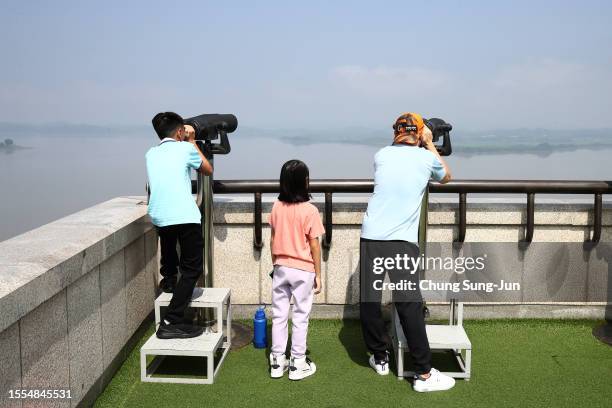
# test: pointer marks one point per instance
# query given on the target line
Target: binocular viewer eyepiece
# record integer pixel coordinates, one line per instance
(440, 129)
(209, 125)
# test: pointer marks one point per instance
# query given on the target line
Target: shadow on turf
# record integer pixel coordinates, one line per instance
(350, 334)
(351, 338)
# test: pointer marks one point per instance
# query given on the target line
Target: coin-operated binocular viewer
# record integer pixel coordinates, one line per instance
(440, 130)
(208, 129)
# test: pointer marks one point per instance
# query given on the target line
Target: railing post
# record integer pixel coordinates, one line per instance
(257, 240)
(462, 217)
(597, 219)
(327, 238)
(530, 217)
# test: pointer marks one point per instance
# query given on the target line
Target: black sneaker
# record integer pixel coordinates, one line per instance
(178, 331)
(167, 285)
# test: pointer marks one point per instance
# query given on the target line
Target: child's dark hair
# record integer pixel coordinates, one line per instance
(294, 182)
(166, 123)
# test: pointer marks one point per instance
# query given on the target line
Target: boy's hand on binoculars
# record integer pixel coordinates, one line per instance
(189, 133)
(317, 284)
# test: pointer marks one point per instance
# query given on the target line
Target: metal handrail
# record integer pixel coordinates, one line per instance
(461, 187)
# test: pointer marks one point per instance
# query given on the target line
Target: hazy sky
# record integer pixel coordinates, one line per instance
(485, 64)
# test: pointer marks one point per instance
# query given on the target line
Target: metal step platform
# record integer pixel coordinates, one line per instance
(210, 345)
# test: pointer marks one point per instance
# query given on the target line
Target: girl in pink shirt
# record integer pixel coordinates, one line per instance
(296, 255)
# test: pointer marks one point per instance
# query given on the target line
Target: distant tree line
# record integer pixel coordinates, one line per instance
(7, 143)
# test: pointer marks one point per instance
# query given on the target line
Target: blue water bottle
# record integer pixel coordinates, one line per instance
(260, 323)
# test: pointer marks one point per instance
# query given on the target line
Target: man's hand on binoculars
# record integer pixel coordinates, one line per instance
(426, 137)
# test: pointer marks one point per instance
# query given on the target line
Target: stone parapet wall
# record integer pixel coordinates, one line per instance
(73, 294)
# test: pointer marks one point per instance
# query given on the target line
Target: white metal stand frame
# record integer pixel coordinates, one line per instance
(206, 345)
(441, 338)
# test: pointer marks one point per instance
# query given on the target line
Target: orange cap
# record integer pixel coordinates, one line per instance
(412, 125)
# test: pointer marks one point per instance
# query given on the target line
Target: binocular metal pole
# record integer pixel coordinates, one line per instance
(423, 237)
(423, 251)
(207, 230)
(241, 334)
(205, 204)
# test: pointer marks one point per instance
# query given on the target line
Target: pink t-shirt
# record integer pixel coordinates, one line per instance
(294, 224)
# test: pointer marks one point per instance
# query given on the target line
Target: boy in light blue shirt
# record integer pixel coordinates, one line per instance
(176, 217)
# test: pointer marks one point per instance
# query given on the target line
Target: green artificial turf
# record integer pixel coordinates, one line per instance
(515, 363)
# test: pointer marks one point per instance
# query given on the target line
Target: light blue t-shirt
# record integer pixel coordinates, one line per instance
(401, 174)
(168, 169)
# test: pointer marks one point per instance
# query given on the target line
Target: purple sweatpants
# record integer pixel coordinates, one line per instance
(290, 281)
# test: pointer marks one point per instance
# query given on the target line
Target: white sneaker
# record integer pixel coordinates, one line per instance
(435, 382)
(301, 368)
(381, 367)
(278, 365)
